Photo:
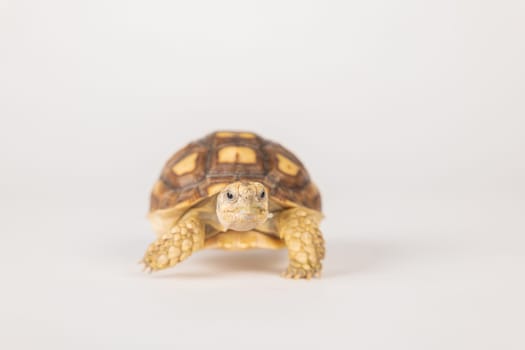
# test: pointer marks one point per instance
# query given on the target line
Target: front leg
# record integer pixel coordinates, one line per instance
(186, 237)
(299, 227)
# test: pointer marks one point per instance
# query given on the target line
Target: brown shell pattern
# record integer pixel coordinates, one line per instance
(204, 167)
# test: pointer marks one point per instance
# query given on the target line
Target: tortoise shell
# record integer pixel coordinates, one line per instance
(204, 167)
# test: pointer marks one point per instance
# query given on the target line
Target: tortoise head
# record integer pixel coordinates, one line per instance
(242, 206)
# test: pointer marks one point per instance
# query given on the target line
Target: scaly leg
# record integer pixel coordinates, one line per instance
(169, 249)
(299, 227)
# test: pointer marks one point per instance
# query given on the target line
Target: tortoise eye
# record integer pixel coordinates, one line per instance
(229, 195)
(263, 194)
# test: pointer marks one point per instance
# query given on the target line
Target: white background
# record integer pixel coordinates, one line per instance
(410, 116)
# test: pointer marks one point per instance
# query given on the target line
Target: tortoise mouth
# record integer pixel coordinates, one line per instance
(247, 216)
(242, 220)
(244, 223)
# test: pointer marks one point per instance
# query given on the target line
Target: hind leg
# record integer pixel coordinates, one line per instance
(186, 237)
(299, 227)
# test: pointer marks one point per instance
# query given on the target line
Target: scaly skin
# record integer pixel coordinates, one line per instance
(186, 237)
(299, 228)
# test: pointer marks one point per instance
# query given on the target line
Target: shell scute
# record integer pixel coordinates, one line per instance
(204, 167)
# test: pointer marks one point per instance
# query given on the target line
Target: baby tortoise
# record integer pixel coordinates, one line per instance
(236, 190)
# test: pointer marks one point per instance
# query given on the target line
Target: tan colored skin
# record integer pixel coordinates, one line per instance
(299, 228)
(242, 207)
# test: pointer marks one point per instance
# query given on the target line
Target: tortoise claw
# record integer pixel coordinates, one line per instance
(298, 273)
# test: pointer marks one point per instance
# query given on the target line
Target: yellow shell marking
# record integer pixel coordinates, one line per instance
(225, 134)
(185, 165)
(244, 135)
(233, 154)
(158, 188)
(216, 188)
(287, 166)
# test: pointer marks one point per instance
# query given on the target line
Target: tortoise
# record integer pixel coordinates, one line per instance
(236, 190)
